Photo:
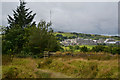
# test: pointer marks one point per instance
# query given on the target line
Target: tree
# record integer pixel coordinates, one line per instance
(15, 36)
(21, 17)
(42, 38)
(14, 40)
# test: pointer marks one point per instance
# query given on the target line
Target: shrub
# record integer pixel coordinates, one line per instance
(116, 50)
(98, 48)
(84, 49)
(77, 47)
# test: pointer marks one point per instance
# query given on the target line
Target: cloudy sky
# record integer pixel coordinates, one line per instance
(85, 17)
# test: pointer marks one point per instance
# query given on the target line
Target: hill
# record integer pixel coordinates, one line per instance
(72, 35)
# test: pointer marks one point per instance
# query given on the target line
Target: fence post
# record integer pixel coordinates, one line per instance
(46, 54)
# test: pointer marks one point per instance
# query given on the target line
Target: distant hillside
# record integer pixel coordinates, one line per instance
(72, 35)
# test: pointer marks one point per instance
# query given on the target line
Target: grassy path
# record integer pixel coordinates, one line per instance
(54, 74)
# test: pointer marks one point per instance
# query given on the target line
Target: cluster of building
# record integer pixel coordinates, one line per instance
(81, 41)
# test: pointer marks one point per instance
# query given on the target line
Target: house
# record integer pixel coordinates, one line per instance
(100, 41)
(78, 41)
(110, 41)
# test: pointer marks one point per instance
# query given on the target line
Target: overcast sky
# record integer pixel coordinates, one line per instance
(85, 17)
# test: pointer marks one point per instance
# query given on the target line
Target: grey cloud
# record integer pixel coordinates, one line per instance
(88, 17)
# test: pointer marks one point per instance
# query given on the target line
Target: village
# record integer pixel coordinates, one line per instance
(81, 41)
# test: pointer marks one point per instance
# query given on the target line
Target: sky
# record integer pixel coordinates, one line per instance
(82, 17)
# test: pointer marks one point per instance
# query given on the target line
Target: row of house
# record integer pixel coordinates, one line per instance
(81, 41)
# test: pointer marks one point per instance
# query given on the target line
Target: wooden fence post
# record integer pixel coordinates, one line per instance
(46, 54)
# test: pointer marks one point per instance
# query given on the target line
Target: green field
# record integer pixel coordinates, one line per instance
(66, 34)
(88, 46)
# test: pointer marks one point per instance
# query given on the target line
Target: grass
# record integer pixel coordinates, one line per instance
(88, 46)
(25, 68)
(61, 67)
(83, 68)
(66, 48)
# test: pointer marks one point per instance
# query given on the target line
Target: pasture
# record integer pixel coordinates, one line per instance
(66, 48)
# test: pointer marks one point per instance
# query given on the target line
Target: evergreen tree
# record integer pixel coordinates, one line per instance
(16, 37)
(22, 16)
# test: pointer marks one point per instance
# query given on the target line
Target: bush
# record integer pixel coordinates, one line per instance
(98, 48)
(77, 47)
(116, 50)
(112, 49)
(84, 49)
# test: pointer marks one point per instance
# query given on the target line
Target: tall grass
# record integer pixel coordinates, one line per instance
(80, 66)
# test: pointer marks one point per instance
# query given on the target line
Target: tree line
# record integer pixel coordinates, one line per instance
(98, 48)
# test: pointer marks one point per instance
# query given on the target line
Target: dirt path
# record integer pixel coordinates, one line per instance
(54, 74)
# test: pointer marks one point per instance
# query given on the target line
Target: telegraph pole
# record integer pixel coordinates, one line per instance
(50, 16)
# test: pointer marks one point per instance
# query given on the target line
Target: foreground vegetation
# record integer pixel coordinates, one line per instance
(57, 66)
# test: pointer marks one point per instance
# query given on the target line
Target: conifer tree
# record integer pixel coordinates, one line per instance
(21, 16)
(15, 37)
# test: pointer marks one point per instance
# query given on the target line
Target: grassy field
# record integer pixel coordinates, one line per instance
(66, 34)
(88, 46)
(61, 67)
